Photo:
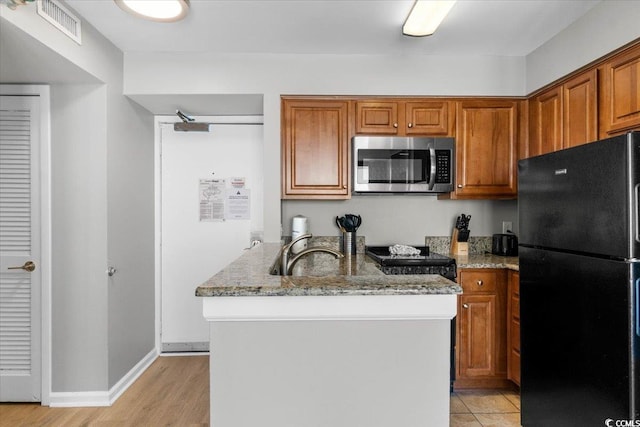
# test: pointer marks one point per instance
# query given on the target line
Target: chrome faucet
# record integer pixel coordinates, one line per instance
(286, 264)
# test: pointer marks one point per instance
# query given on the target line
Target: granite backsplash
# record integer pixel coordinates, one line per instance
(442, 245)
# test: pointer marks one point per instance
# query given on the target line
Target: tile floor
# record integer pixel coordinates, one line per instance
(485, 408)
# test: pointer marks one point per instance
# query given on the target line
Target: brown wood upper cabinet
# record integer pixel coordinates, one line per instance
(545, 122)
(403, 117)
(565, 115)
(486, 149)
(315, 149)
(620, 93)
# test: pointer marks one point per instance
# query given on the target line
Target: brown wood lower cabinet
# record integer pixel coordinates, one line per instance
(481, 330)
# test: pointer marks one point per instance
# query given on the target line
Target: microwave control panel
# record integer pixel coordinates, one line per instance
(443, 166)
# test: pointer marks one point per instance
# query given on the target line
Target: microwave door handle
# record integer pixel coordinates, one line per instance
(432, 169)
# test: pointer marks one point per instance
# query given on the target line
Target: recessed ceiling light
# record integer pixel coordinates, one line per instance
(425, 16)
(156, 10)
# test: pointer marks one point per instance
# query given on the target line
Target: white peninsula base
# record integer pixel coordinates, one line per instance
(330, 361)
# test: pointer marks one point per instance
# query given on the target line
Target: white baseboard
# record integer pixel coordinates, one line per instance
(126, 381)
(78, 399)
(103, 398)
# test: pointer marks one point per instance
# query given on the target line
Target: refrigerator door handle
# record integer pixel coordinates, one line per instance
(637, 307)
(636, 215)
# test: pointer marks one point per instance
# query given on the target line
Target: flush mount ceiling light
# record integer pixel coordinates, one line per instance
(425, 16)
(156, 10)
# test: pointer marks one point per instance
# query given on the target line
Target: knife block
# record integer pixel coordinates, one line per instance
(458, 248)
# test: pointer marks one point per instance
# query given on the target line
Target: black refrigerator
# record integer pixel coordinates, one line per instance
(579, 285)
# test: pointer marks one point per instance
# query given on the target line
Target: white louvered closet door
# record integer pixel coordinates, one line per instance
(20, 311)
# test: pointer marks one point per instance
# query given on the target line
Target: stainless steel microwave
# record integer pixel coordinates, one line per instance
(403, 164)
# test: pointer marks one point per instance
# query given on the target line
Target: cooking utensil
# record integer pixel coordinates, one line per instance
(349, 222)
(357, 220)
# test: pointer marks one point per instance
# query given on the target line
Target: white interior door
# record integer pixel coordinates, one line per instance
(20, 279)
(193, 250)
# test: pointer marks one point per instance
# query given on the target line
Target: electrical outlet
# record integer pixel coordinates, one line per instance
(507, 226)
(255, 237)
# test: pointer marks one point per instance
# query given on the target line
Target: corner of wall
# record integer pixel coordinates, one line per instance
(607, 26)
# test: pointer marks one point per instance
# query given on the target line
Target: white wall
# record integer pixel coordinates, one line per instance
(608, 26)
(79, 238)
(402, 219)
(94, 56)
(273, 75)
(102, 197)
(130, 209)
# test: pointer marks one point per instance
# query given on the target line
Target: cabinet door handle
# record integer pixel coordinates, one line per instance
(395, 125)
(480, 283)
(465, 305)
(459, 185)
(410, 125)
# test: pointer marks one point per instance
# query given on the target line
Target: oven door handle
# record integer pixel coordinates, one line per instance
(432, 169)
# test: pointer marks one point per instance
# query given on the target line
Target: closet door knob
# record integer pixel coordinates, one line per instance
(27, 266)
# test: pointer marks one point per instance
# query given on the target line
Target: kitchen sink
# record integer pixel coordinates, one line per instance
(317, 264)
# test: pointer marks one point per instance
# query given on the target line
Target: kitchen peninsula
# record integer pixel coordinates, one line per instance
(337, 343)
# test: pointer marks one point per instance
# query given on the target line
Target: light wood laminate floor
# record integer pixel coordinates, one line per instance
(174, 391)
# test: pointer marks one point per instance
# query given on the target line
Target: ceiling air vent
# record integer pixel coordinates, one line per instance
(60, 17)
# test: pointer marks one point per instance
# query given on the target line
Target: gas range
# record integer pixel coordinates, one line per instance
(425, 263)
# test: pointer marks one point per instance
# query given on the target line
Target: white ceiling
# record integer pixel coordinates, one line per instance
(473, 27)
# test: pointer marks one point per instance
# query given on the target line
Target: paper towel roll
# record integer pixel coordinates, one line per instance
(299, 226)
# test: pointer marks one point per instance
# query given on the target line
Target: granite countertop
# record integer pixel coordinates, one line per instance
(317, 274)
(479, 256)
(486, 260)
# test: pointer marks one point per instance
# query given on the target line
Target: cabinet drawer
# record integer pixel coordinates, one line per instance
(478, 281)
(377, 117)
